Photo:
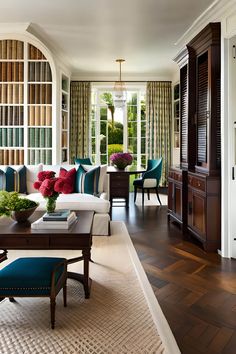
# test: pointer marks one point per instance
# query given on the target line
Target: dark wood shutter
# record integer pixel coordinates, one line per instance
(202, 108)
(184, 114)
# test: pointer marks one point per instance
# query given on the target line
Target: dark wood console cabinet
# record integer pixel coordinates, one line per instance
(177, 196)
(200, 145)
(204, 209)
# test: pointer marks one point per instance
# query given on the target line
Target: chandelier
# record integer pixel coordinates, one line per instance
(119, 89)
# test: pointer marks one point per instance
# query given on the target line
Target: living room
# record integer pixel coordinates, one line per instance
(90, 81)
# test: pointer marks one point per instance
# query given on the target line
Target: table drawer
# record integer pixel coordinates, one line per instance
(68, 242)
(24, 242)
(119, 184)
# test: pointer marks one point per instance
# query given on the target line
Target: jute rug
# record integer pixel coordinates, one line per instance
(116, 318)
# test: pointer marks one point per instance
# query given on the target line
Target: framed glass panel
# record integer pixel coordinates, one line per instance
(132, 113)
(132, 145)
(132, 98)
(132, 129)
(103, 113)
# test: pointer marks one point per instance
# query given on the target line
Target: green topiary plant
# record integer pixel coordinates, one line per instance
(10, 201)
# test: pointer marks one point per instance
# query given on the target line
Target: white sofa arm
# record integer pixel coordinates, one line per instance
(106, 186)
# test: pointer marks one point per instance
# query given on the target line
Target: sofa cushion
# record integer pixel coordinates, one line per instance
(66, 182)
(83, 161)
(13, 178)
(32, 176)
(74, 201)
(102, 175)
(57, 168)
(87, 180)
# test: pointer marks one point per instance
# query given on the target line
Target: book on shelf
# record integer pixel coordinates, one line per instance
(40, 224)
(60, 215)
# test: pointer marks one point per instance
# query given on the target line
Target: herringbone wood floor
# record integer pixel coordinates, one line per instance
(196, 290)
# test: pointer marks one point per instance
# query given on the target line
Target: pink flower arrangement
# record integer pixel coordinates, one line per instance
(45, 184)
(121, 159)
(50, 186)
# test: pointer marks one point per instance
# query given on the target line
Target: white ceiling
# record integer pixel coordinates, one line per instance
(91, 34)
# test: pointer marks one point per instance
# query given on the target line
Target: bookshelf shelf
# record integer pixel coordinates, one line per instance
(25, 104)
(64, 118)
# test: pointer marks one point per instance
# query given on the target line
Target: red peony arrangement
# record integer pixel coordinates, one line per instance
(50, 186)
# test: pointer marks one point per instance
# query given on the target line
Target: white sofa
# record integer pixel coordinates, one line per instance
(75, 201)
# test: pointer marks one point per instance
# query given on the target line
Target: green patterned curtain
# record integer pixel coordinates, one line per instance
(80, 96)
(158, 133)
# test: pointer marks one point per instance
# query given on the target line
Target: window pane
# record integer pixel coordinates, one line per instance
(106, 98)
(93, 125)
(93, 159)
(93, 145)
(143, 112)
(103, 159)
(93, 111)
(132, 129)
(143, 145)
(143, 129)
(132, 113)
(132, 145)
(143, 161)
(103, 113)
(103, 128)
(131, 98)
(134, 163)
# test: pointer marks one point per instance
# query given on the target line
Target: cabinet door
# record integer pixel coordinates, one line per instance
(199, 213)
(178, 200)
(170, 195)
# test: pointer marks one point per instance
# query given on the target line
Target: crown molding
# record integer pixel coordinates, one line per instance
(14, 27)
(217, 11)
(61, 58)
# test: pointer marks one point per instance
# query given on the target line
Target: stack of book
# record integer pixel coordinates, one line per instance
(61, 219)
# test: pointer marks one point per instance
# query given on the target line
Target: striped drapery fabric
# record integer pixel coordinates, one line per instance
(158, 132)
(80, 97)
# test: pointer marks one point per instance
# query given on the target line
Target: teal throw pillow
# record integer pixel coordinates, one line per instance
(13, 179)
(83, 161)
(86, 181)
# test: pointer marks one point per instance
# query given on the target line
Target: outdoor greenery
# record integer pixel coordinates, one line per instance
(10, 201)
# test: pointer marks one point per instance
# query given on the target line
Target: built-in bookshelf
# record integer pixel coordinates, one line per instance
(25, 104)
(64, 119)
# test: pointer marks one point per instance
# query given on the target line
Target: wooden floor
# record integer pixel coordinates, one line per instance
(196, 290)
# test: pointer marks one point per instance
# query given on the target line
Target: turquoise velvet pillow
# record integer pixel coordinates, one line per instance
(83, 161)
(86, 181)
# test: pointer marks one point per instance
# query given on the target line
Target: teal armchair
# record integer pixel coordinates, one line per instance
(150, 179)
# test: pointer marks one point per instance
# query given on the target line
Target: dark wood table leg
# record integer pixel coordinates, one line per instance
(83, 278)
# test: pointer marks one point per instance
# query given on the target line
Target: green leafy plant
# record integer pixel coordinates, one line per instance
(11, 201)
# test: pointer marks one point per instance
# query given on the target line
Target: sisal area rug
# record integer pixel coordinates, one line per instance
(120, 316)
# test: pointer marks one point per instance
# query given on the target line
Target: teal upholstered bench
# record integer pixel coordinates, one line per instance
(35, 277)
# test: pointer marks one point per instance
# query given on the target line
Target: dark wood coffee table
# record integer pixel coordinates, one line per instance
(78, 237)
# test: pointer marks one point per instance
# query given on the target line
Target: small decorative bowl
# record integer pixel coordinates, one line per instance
(23, 215)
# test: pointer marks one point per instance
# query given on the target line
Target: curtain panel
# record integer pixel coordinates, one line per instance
(80, 97)
(158, 133)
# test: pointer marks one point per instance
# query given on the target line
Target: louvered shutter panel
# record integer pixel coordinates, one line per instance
(184, 113)
(202, 108)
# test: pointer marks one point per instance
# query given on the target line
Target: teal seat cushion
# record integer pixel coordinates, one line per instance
(87, 180)
(83, 161)
(29, 276)
(138, 182)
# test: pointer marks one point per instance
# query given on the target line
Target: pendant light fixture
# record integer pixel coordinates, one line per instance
(119, 89)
